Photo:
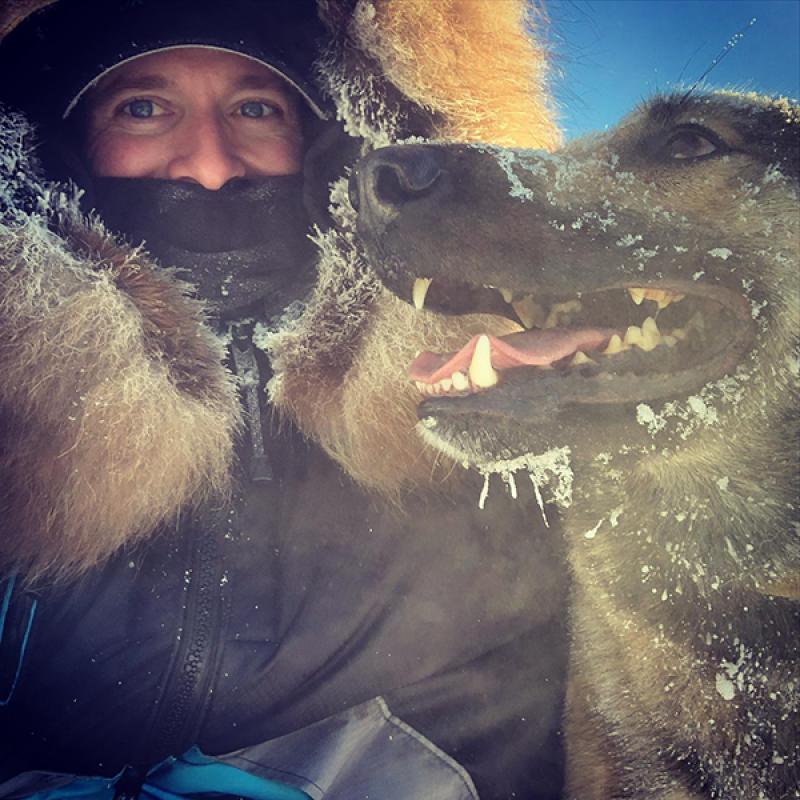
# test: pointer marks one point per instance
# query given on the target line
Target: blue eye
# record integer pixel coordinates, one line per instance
(254, 109)
(141, 109)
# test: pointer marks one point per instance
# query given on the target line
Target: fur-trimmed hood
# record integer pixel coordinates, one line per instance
(115, 407)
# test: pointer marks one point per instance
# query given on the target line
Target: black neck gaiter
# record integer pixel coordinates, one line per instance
(244, 246)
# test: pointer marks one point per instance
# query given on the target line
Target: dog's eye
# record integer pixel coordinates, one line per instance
(689, 144)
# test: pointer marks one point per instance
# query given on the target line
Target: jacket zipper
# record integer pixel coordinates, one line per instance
(186, 697)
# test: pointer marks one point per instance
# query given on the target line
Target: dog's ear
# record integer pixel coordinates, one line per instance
(328, 158)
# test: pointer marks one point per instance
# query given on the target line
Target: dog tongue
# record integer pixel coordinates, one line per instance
(536, 348)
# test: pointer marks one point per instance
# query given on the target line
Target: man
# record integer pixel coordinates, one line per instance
(193, 114)
(277, 633)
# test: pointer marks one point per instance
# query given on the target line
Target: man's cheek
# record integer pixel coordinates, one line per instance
(278, 156)
(118, 155)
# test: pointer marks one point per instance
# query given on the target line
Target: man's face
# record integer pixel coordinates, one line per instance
(194, 114)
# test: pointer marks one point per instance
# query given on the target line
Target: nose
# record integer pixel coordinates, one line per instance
(206, 154)
(392, 177)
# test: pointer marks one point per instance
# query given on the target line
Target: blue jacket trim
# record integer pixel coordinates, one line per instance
(188, 775)
(3, 615)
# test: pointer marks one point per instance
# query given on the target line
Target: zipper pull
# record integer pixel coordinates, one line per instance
(249, 375)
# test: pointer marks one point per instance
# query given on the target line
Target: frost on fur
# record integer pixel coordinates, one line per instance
(674, 240)
(114, 407)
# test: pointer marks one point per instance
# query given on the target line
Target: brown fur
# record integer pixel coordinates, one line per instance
(108, 431)
(480, 70)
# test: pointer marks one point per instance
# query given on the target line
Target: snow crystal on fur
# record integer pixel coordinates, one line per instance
(105, 433)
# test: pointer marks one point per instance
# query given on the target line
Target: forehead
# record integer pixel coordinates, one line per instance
(188, 67)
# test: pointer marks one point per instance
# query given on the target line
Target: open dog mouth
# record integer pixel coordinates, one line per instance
(619, 344)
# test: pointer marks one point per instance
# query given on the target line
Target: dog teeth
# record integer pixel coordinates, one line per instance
(615, 345)
(662, 297)
(666, 298)
(507, 294)
(646, 338)
(481, 373)
(581, 358)
(420, 289)
(632, 336)
(651, 335)
(460, 381)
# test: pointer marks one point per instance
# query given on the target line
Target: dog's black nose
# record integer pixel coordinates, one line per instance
(392, 177)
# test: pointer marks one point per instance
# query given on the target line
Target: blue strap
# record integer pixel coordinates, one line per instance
(188, 775)
(3, 615)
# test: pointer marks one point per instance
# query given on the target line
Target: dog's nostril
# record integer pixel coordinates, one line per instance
(389, 186)
(399, 175)
(390, 178)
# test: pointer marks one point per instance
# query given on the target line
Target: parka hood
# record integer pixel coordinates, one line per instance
(116, 409)
(462, 69)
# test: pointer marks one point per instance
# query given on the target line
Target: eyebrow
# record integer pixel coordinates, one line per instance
(122, 83)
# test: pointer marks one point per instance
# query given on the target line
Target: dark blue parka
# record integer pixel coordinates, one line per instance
(315, 623)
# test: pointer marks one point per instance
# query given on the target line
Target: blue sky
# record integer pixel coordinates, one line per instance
(610, 54)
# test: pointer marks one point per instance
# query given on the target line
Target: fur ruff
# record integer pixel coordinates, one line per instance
(365, 415)
(115, 408)
(340, 365)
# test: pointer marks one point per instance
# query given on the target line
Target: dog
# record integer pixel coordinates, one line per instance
(651, 387)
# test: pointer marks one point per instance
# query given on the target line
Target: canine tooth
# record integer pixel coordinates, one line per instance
(508, 295)
(637, 295)
(651, 336)
(633, 336)
(650, 328)
(481, 373)
(581, 358)
(460, 381)
(679, 333)
(421, 286)
(615, 345)
(529, 312)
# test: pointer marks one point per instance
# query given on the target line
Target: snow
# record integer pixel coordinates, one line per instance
(551, 469)
(721, 252)
(725, 687)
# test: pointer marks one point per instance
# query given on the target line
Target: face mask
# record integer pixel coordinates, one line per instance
(244, 246)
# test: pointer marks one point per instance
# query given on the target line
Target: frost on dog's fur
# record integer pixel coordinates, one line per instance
(682, 532)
